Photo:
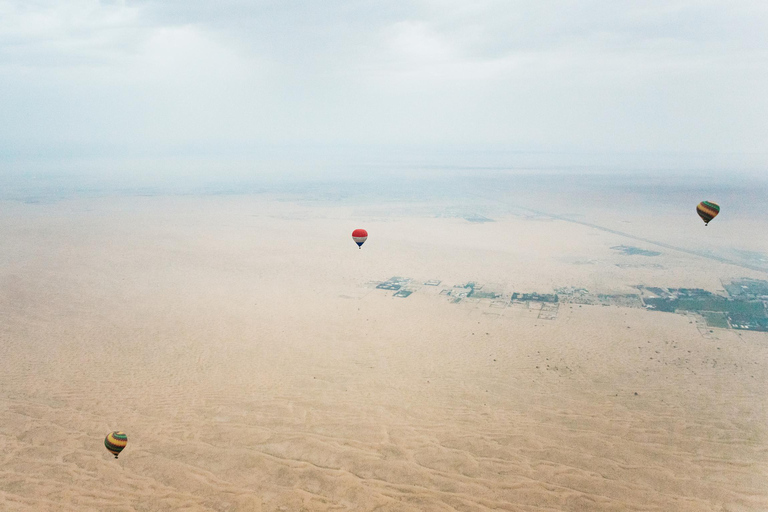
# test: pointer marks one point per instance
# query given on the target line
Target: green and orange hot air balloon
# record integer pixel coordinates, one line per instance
(707, 210)
(115, 442)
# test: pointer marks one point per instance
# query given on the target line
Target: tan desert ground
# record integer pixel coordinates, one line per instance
(241, 343)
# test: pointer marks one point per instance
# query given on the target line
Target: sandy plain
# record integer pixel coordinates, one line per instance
(237, 342)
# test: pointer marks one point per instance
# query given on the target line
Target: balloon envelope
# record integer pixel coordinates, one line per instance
(115, 442)
(359, 236)
(707, 211)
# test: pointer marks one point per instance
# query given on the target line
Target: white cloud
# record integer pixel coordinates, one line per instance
(152, 76)
(80, 32)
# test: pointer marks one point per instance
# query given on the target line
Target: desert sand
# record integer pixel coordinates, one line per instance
(239, 343)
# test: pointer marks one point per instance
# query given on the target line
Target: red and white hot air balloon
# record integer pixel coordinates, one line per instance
(360, 236)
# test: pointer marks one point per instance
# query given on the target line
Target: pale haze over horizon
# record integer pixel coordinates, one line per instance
(133, 85)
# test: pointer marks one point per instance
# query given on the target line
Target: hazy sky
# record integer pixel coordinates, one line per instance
(184, 77)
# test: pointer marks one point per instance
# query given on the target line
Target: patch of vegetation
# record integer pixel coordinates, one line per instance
(717, 310)
(747, 288)
(716, 319)
(485, 295)
(536, 297)
(634, 251)
(477, 218)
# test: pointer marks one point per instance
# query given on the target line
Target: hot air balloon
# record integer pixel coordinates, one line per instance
(707, 211)
(360, 236)
(115, 442)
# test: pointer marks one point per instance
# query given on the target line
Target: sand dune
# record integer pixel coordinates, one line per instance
(236, 343)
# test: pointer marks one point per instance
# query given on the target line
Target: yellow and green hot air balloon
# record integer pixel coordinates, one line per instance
(707, 211)
(115, 442)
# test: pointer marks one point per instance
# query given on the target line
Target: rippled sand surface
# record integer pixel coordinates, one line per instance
(236, 343)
